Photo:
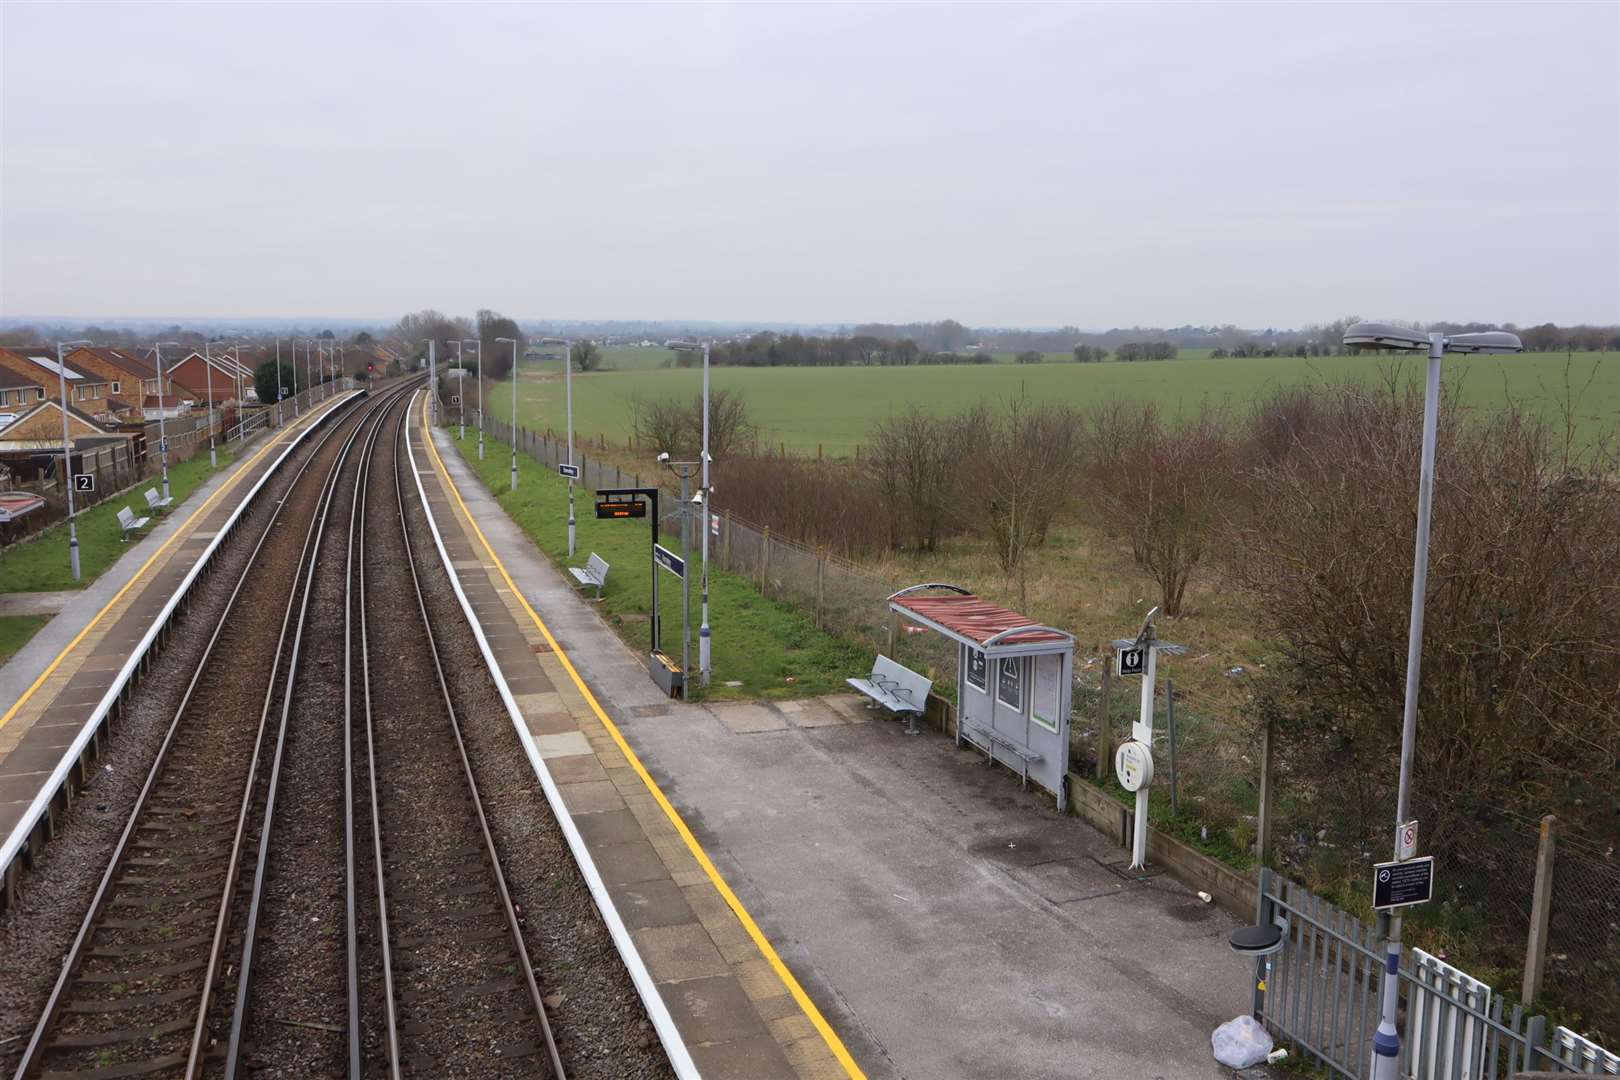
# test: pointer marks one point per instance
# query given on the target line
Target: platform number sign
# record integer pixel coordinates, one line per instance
(1130, 661)
(84, 481)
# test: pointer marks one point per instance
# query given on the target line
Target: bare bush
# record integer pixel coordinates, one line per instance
(676, 427)
(1161, 486)
(822, 503)
(1520, 693)
(916, 462)
(1022, 473)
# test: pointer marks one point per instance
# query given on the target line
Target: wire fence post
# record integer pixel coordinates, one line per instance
(1262, 842)
(1105, 734)
(821, 577)
(725, 541)
(1170, 734)
(1535, 952)
(765, 565)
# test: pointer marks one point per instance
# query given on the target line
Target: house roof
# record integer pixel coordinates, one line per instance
(975, 621)
(122, 359)
(44, 358)
(13, 380)
(51, 403)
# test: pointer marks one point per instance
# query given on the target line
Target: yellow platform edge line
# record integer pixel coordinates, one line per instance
(50, 668)
(823, 1028)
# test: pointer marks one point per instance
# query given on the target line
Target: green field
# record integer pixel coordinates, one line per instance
(15, 630)
(837, 407)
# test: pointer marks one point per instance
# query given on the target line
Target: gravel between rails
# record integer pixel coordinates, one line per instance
(223, 712)
(297, 1015)
(601, 1027)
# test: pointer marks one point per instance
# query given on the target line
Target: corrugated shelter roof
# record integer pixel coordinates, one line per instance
(976, 620)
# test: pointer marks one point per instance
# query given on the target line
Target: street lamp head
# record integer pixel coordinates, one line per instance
(1372, 335)
(663, 459)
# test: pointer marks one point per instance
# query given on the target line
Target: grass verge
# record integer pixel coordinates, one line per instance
(15, 630)
(40, 564)
(768, 649)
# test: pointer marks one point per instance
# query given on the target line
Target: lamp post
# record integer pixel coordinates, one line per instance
(461, 418)
(686, 470)
(163, 438)
(67, 454)
(279, 391)
(208, 373)
(1368, 335)
(433, 382)
(479, 345)
(516, 355)
(707, 492)
(568, 394)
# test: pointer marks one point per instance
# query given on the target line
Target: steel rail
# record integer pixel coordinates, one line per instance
(74, 958)
(375, 416)
(390, 1011)
(514, 926)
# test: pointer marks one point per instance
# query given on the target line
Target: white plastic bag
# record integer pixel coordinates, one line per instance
(1241, 1043)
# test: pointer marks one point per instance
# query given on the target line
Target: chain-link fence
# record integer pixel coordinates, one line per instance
(1583, 937)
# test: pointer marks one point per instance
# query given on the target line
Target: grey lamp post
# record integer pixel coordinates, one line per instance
(433, 382)
(706, 494)
(516, 355)
(208, 373)
(568, 393)
(294, 344)
(686, 470)
(163, 438)
(479, 345)
(1367, 335)
(67, 455)
(461, 419)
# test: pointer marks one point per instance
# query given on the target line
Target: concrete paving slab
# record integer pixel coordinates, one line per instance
(744, 718)
(563, 744)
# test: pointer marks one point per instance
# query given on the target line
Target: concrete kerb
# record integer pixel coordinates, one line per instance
(19, 841)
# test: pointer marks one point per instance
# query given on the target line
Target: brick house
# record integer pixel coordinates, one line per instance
(86, 391)
(31, 445)
(133, 377)
(20, 391)
(193, 378)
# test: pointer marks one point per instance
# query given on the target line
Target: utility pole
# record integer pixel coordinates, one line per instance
(67, 457)
(208, 373)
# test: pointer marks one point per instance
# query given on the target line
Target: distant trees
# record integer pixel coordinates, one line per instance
(419, 327)
(1146, 350)
(497, 356)
(268, 379)
(676, 427)
(1030, 356)
(587, 355)
(1090, 354)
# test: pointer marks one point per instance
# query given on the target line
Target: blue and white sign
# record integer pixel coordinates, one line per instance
(669, 560)
(570, 471)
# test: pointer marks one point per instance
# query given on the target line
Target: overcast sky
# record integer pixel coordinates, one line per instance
(1100, 165)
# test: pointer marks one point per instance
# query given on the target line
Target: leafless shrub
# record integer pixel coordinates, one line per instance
(916, 461)
(823, 503)
(1520, 693)
(1022, 473)
(676, 427)
(1161, 486)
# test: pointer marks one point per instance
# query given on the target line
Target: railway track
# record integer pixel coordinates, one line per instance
(453, 992)
(134, 993)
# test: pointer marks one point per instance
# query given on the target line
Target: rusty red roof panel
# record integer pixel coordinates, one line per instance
(978, 619)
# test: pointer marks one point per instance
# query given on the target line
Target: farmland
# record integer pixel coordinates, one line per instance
(835, 408)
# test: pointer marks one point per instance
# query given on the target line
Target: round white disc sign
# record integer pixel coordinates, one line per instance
(1133, 764)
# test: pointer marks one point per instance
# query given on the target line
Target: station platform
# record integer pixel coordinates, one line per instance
(887, 906)
(51, 688)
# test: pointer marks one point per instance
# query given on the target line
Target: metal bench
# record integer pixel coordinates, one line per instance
(128, 522)
(594, 572)
(156, 501)
(987, 740)
(897, 688)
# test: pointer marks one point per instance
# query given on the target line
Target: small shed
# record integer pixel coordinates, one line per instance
(1013, 681)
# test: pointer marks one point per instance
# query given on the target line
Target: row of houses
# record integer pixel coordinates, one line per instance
(118, 386)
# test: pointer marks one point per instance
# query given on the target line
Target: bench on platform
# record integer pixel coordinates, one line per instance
(156, 501)
(128, 522)
(896, 688)
(987, 740)
(594, 572)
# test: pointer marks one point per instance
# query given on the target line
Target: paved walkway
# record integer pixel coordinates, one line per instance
(35, 603)
(944, 922)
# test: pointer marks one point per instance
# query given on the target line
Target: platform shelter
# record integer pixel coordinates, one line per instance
(1013, 681)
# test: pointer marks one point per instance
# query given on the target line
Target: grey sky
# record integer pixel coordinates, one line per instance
(998, 164)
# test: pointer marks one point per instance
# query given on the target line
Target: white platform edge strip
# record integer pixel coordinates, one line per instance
(19, 833)
(668, 1034)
